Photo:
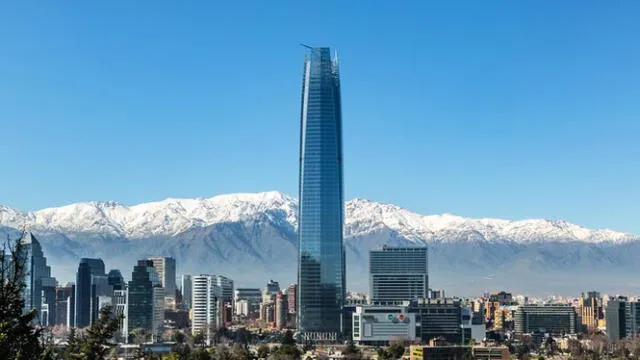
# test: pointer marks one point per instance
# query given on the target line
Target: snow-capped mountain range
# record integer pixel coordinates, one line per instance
(252, 237)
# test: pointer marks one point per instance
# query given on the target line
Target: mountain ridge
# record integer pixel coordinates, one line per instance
(252, 238)
(172, 216)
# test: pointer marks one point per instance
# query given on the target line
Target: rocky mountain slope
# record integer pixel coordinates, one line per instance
(251, 237)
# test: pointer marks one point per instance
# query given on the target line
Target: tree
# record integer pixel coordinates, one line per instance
(73, 350)
(97, 338)
(19, 338)
(383, 354)
(199, 354)
(239, 352)
(522, 351)
(263, 351)
(288, 339)
(351, 351)
(396, 350)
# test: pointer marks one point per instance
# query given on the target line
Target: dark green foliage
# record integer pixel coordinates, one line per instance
(395, 351)
(199, 354)
(97, 338)
(240, 352)
(263, 351)
(288, 350)
(287, 338)
(73, 351)
(19, 338)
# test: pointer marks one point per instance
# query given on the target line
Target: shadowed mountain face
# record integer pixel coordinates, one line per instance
(252, 238)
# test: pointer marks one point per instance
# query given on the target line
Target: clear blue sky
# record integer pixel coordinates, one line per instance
(507, 109)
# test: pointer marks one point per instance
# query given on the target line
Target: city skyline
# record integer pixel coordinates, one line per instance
(507, 111)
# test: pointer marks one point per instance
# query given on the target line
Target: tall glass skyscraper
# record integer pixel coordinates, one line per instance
(321, 266)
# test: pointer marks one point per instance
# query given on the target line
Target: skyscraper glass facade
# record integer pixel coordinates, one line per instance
(321, 266)
(87, 269)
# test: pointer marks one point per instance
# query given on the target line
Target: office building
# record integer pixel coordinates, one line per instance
(140, 298)
(272, 287)
(321, 267)
(35, 270)
(398, 274)
(159, 295)
(623, 318)
(226, 287)
(166, 269)
(206, 317)
(185, 289)
(253, 297)
(116, 280)
(377, 325)
(48, 312)
(555, 319)
(292, 292)
(65, 305)
(616, 318)
(242, 308)
(87, 269)
(473, 324)
(100, 288)
(440, 319)
(120, 309)
(281, 311)
(591, 311)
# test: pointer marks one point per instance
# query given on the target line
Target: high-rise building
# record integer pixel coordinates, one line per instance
(591, 311)
(281, 311)
(35, 270)
(398, 274)
(116, 280)
(272, 287)
(185, 289)
(556, 319)
(440, 318)
(100, 288)
(65, 305)
(159, 294)
(120, 309)
(166, 269)
(140, 298)
(321, 267)
(49, 284)
(87, 269)
(226, 287)
(253, 297)
(616, 318)
(623, 318)
(292, 292)
(206, 317)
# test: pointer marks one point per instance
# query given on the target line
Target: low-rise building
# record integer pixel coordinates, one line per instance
(378, 325)
(556, 319)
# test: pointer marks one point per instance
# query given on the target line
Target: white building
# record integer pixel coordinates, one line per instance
(204, 305)
(378, 325)
(242, 308)
(120, 308)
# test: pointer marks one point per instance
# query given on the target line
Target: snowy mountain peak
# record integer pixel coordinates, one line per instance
(174, 216)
